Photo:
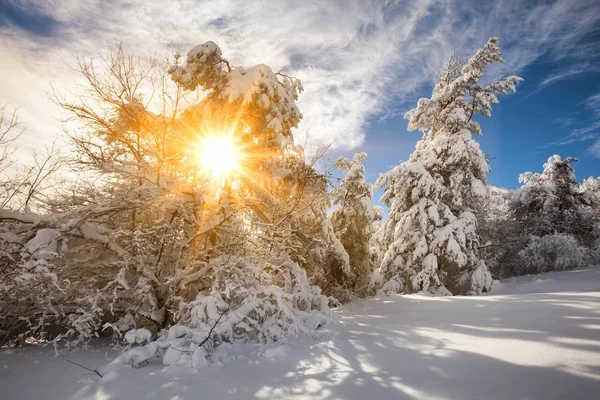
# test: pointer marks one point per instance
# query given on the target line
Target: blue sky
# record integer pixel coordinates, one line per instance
(525, 128)
(363, 64)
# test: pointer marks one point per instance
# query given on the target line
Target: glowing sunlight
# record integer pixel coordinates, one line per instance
(219, 156)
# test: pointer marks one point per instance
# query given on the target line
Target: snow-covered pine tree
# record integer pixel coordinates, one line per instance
(308, 234)
(353, 220)
(430, 236)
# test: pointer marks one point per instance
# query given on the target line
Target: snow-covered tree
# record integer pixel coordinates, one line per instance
(592, 186)
(538, 226)
(147, 236)
(248, 279)
(309, 236)
(591, 189)
(353, 220)
(496, 228)
(106, 254)
(431, 235)
(550, 216)
(27, 244)
(286, 198)
(553, 202)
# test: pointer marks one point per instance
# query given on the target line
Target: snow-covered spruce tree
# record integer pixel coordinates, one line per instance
(353, 221)
(308, 234)
(431, 235)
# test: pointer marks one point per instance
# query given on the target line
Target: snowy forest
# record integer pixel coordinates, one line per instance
(184, 218)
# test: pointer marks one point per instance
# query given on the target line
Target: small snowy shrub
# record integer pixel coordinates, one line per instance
(554, 252)
(257, 302)
(248, 301)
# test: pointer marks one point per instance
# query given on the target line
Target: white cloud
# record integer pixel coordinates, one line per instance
(594, 149)
(587, 132)
(354, 57)
(573, 70)
(593, 103)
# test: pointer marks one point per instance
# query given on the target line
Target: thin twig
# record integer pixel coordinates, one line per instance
(212, 328)
(86, 368)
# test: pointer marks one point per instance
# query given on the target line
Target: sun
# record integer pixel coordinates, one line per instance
(219, 156)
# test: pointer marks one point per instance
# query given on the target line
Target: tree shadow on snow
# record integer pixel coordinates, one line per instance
(533, 346)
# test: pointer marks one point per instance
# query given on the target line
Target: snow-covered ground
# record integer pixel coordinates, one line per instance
(532, 338)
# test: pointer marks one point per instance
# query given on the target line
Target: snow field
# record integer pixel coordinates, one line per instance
(533, 337)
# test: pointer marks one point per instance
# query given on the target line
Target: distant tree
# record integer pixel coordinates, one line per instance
(430, 237)
(549, 218)
(553, 202)
(497, 230)
(353, 220)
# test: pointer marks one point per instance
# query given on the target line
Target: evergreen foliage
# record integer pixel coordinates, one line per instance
(430, 238)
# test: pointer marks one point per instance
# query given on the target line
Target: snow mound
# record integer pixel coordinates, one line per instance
(138, 336)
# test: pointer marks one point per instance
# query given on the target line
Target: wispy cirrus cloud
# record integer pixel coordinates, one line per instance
(565, 121)
(570, 72)
(590, 131)
(357, 59)
(593, 103)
